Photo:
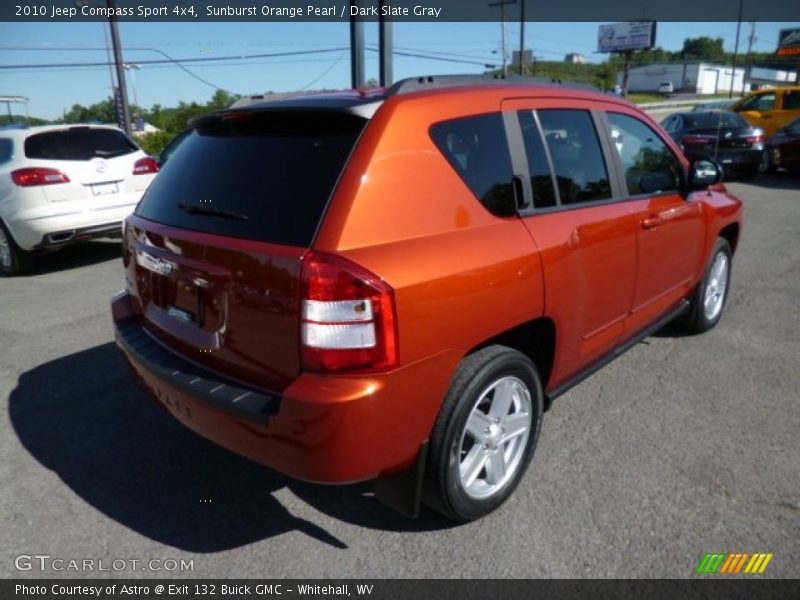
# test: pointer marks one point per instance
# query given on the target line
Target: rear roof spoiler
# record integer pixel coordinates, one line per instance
(366, 104)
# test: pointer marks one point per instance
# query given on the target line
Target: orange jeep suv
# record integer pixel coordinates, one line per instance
(393, 285)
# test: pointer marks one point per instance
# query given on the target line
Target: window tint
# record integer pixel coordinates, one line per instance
(268, 176)
(78, 143)
(6, 150)
(791, 100)
(541, 178)
(760, 102)
(173, 145)
(477, 149)
(650, 166)
(670, 124)
(577, 158)
(714, 119)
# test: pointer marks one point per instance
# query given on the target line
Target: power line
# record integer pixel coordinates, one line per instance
(203, 59)
(325, 72)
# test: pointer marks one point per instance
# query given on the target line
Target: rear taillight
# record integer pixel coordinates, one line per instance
(757, 137)
(348, 316)
(694, 140)
(38, 176)
(145, 165)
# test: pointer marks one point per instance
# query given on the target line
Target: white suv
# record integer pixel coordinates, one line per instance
(65, 183)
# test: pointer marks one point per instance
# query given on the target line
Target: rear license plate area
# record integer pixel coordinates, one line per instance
(104, 189)
(187, 303)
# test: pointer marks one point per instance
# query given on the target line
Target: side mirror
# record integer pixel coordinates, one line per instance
(703, 173)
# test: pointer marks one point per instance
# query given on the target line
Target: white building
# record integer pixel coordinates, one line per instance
(575, 58)
(693, 78)
(702, 78)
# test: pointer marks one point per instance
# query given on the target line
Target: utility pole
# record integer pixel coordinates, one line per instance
(133, 67)
(502, 4)
(751, 40)
(522, 37)
(736, 48)
(386, 48)
(357, 80)
(626, 71)
(123, 89)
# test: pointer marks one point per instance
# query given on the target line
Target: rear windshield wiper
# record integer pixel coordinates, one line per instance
(199, 209)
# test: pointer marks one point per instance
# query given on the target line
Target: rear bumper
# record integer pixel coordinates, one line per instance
(736, 159)
(39, 229)
(328, 429)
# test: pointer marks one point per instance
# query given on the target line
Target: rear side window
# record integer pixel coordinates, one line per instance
(791, 100)
(577, 158)
(6, 150)
(260, 176)
(477, 149)
(650, 166)
(541, 179)
(760, 102)
(78, 143)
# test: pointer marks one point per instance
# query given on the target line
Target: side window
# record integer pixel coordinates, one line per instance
(541, 179)
(6, 150)
(791, 100)
(670, 125)
(794, 127)
(760, 102)
(477, 149)
(578, 161)
(650, 166)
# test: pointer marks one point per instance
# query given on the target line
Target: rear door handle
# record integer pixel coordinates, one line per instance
(651, 222)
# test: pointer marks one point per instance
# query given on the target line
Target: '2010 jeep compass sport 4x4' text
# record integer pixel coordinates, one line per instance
(393, 285)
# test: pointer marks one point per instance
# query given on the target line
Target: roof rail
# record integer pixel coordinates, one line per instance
(436, 82)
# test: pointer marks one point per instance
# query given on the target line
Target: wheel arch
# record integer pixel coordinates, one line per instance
(536, 339)
(731, 234)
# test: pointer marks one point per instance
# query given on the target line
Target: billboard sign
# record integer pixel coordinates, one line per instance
(634, 35)
(789, 42)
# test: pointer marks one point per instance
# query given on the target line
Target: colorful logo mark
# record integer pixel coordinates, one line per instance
(733, 562)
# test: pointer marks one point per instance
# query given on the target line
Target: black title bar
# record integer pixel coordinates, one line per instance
(399, 10)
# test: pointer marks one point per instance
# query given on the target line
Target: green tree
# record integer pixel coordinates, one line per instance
(220, 100)
(703, 48)
(101, 112)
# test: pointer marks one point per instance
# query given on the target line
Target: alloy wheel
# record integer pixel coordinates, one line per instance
(716, 286)
(5, 250)
(493, 443)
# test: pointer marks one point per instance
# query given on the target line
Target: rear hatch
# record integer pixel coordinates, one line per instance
(721, 132)
(214, 249)
(98, 161)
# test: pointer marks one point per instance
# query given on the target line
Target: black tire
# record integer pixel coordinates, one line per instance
(766, 165)
(16, 260)
(477, 374)
(698, 319)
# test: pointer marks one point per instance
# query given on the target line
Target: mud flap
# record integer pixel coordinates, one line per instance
(402, 492)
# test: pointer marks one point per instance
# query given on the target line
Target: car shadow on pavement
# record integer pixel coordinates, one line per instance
(83, 417)
(777, 181)
(82, 254)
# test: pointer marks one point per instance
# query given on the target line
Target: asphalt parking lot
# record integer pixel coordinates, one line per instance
(685, 445)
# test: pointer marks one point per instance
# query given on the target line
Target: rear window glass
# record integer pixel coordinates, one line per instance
(477, 149)
(702, 120)
(6, 150)
(265, 177)
(80, 143)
